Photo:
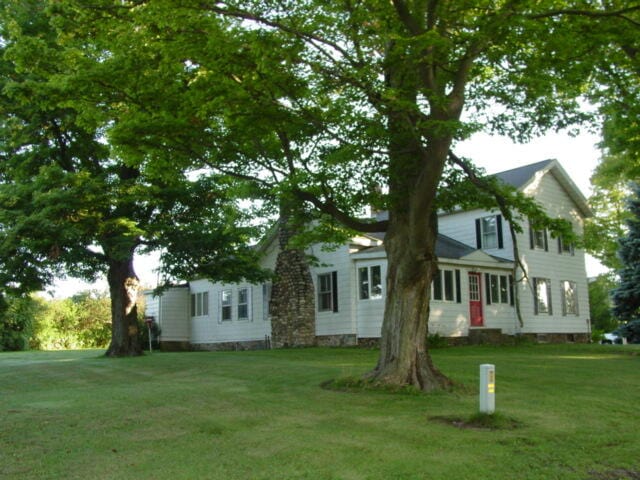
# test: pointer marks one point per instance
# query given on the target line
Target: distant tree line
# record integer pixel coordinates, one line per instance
(33, 322)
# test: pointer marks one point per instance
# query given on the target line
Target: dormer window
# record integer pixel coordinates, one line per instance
(489, 232)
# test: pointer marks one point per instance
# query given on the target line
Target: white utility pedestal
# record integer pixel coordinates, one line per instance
(487, 388)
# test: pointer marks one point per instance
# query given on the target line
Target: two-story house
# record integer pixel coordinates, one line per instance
(474, 293)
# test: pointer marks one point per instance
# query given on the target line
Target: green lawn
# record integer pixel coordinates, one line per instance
(262, 415)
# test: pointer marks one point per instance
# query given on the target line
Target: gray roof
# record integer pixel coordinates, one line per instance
(446, 247)
(517, 177)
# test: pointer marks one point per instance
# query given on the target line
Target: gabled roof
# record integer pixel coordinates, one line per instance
(522, 177)
(519, 177)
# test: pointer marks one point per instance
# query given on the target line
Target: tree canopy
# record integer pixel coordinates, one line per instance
(338, 106)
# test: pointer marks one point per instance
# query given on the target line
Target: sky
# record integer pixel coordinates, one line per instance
(578, 155)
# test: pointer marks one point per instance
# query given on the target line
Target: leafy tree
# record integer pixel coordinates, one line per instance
(71, 203)
(17, 322)
(342, 105)
(600, 304)
(626, 298)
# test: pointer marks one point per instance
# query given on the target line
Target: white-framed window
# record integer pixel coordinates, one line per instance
(266, 300)
(569, 295)
(328, 292)
(370, 282)
(538, 238)
(489, 232)
(565, 247)
(244, 301)
(542, 298)
(226, 305)
(497, 288)
(445, 285)
(200, 304)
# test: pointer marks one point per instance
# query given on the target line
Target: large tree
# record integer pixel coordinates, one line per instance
(343, 105)
(626, 297)
(71, 203)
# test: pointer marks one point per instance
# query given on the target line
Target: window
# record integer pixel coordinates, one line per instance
(266, 300)
(200, 304)
(569, 295)
(446, 286)
(328, 292)
(538, 238)
(542, 298)
(225, 305)
(565, 247)
(489, 232)
(497, 288)
(243, 304)
(370, 282)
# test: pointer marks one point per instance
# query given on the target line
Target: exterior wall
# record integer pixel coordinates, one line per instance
(210, 328)
(554, 265)
(452, 318)
(171, 312)
(369, 312)
(341, 322)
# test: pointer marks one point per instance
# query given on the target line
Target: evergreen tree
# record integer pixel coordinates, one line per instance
(626, 298)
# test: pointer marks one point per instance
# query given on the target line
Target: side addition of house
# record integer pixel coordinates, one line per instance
(473, 296)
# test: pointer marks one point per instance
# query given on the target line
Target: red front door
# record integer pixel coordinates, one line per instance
(475, 300)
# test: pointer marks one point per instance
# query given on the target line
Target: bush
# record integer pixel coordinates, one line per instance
(17, 321)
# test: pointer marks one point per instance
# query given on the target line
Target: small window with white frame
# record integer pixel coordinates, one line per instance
(542, 298)
(370, 282)
(226, 305)
(244, 299)
(443, 285)
(489, 230)
(565, 247)
(200, 304)
(497, 288)
(569, 295)
(327, 292)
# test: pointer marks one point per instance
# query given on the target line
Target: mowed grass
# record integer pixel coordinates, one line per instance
(263, 415)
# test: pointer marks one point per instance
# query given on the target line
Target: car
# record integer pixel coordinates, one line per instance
(611, 338)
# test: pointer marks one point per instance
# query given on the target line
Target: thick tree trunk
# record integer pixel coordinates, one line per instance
(292, 306)
(123, 286)
(404, 359)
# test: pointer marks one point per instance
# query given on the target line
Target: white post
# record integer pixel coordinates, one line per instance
(487, 388)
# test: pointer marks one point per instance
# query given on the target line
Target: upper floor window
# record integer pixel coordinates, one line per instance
(328, 292)
(200, 304)
(370, 282)
(542, 296)
(565, 246)
(569, 293)
(538, 238)
(489, 232)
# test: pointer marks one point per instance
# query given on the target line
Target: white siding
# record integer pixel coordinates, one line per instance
(171, 312)
(212, 329)
(554, 265)
(343, 321)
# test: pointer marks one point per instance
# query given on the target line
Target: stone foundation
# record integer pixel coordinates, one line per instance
(231, 346)
(175, 346)
(372, 342)
(349, 340)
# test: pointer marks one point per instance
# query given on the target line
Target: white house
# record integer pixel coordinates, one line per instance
(473, 295)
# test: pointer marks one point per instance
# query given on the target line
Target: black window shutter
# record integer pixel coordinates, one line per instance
(499, 227)
(563, 299)
(334, 285)
(487, 287)
(546, 244)
(549, 295)
(478, 234)
(560, 245)
(531, 244)
(512, 291)
(458, 291)
(535, 296)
